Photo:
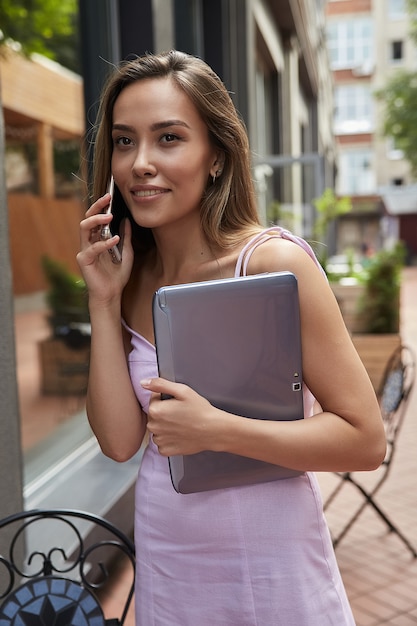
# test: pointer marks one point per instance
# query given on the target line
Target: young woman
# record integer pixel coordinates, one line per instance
(171, 137)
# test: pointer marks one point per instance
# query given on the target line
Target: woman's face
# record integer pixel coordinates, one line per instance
(162, 156)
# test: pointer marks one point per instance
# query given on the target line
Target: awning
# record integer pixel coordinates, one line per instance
(400, 200)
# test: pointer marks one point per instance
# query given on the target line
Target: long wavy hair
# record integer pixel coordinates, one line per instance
(228, 207)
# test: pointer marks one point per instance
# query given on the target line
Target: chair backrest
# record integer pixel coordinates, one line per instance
(53, 573)
(393, 394)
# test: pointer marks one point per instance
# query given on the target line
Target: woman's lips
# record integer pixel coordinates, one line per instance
(144, 193)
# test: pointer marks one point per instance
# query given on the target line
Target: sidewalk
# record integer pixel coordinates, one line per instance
(379, 572)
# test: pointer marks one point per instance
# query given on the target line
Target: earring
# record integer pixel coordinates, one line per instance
(216, 175)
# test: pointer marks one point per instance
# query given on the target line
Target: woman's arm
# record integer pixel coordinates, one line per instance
(113, 410)
(112, 407)
(346, 435)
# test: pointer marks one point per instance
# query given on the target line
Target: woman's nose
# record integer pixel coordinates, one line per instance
(143, 164)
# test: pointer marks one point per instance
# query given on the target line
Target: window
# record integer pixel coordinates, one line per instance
(356, 175)
(397, 51)
(354, 109)
(396, 9)
(264, 135)
(394, 153)
(350, 43)
(189, 26)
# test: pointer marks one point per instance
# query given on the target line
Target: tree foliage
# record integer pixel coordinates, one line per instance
(329, 207)
(399, 99)
(412, 12)
(49, 27)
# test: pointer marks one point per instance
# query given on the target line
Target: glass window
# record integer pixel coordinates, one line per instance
(263, 137)
(397, 9)
(45, 192)
(188, 26)
(396, 51)
(350, 42)
(354, 109)
(394, 153)
(356, 175)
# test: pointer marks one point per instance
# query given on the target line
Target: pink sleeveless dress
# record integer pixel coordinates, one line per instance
(249, 556)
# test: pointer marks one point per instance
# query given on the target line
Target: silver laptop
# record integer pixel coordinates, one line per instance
(237, 343)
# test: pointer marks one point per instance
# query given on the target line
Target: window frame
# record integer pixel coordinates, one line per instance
(350, 42)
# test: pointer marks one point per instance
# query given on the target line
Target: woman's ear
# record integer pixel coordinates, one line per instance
(217, 167)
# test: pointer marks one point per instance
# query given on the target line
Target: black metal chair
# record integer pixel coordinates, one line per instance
(393, 396)
(56, 570)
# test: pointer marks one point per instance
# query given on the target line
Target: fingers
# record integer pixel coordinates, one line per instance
(99, 205)
(92, 245)
(95, 219)
(165, 387)
(91, 227)
(179, 424)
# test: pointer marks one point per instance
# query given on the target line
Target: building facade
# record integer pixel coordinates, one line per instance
(368, 41)
(272, 57)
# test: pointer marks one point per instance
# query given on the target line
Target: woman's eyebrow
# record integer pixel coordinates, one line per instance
(153, 127)
(167, 124)
(124, 127)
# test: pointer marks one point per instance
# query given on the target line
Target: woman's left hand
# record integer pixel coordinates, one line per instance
(184, 423)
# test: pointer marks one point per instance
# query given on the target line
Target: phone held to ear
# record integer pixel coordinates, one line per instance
(106, 233)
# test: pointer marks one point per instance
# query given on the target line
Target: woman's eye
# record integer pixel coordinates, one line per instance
(122, 141)
(169, 138)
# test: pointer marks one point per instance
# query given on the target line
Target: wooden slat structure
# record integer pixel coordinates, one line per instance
(375, 350)
(41, 226)
(42, 103)
(41, 95)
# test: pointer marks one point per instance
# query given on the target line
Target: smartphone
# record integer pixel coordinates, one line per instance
(106, 232)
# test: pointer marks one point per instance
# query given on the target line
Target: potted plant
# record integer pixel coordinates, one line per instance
(380, 303)
(367, 290)
(64, 356)
(378, 308)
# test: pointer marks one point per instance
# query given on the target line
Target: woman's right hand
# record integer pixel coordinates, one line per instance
(104, 279)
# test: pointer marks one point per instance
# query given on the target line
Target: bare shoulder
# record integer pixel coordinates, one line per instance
(276, 254)
(317, 300)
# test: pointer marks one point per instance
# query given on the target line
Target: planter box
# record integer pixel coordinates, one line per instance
(374, 351)
(64, 370)
(348, 297)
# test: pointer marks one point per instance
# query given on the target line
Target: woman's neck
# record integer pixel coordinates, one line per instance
(184, 257)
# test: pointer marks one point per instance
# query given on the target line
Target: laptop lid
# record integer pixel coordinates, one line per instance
(236, 342)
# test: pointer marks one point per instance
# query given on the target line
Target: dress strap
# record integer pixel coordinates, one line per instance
(265, 235)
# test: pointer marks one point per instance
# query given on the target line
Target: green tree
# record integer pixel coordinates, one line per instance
(49, 27)
(399, 99)
(412, 11)
(328, 207)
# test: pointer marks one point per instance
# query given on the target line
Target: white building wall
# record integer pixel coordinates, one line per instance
(381, 164)
(389, 29)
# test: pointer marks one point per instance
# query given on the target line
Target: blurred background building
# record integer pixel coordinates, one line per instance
(368, 42)
(272, 57)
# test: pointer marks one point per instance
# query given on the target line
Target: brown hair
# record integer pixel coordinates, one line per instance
(228, 206)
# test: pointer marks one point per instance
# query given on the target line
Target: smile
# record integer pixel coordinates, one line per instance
(148, 192)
